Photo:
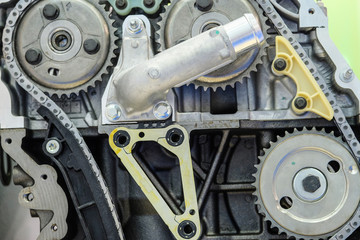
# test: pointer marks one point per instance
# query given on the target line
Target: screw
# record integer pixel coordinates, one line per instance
(121, 4)
(29, 197)
(311, 183)
(300, 103)
(204, 5)
(54, 227)
(154, 73)
(162, 110)
(135, 26)
(91, 46)
(50, 11)
(280, 64)
(33, 56)
(53, 146)
(113, 112)
(149, 3)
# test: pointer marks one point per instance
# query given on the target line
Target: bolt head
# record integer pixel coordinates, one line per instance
(53, 146)
(29, 197)
(91, 46)
(204, 5)
(135, 26)
(149, 3)
(162, 110)
(280, 64)
(51, 12)
(121, 4)
(300, 103)
(113, 112)
(33, 56)
(311, 183)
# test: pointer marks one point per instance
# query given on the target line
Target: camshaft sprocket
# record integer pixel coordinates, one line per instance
(306, 184)
(64, 47)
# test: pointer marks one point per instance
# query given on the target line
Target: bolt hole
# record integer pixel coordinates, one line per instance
(175, 138)
(188, 229)
(311, 11)
(44, 177)
(286, 202)
(141, 134)
(333, 166)
(192, 212)
(122, 139)
(8, 140)
(54, 72)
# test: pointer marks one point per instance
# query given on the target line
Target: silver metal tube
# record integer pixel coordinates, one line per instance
(140, 88)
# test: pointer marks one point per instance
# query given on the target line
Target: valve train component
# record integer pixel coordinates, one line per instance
(181, 119)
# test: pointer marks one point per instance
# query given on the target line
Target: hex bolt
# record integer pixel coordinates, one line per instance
(53, 146)
(51, 12)
(113, 112)
(121, 4)
(135, 26)
(280, 64)
(300, 103)
(204, 5)
(149, 3)
(162, 110)
(91, 46)
(33, 56)
(311, 183)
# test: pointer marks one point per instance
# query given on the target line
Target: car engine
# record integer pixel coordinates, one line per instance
(181, 119)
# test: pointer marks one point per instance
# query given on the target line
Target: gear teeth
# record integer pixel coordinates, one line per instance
(100, 6)
(259, 205)
(246, 74)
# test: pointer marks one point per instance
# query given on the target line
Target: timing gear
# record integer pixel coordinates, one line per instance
(60, 50)
(195, 20)
(306, 184)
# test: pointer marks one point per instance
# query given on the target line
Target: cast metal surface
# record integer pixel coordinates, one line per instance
(194, 22)
(252, 109)
(155, 76)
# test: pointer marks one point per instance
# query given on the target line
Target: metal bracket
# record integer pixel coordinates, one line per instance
(309, 96)
(46, 193)
(176, 140)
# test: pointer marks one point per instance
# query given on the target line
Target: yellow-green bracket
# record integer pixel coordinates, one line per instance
(176, 140)
(309, 96)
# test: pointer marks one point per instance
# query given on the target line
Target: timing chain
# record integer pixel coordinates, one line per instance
(339, 117)
(45, 101)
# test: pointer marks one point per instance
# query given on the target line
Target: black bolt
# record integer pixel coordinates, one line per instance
(300, 103)
(121, 4)
(149, 3)
(33, 56)
(311, 183)
(91, 46)
(280, 64)
(51, 12)
(204, 5)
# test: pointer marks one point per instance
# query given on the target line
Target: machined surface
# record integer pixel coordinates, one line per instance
(285, 175)
(65, 66)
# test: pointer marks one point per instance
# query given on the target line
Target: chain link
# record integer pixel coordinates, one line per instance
(339, 117)
(44, 100)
